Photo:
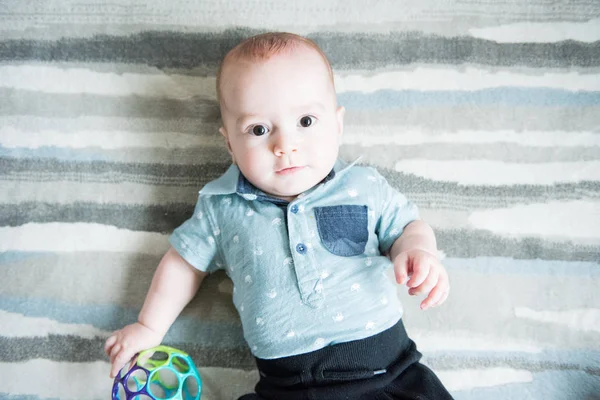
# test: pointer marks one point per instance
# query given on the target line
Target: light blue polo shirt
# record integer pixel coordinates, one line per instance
(308, 273)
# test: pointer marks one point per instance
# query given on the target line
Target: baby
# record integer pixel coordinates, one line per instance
(306, 239)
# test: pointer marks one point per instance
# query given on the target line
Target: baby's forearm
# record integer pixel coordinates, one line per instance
(417, 235)
(174, 284)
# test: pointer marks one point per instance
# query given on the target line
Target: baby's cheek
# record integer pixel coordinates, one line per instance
(253, 162)
(327, 149)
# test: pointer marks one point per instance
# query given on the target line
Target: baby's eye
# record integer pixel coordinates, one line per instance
(258, 130)
(306, 121)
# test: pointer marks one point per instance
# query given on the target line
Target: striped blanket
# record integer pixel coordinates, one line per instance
(484, 113)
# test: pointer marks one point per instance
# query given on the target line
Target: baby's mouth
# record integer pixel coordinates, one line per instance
(289, 170)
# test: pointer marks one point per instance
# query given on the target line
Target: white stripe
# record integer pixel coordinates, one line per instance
(576, 220)
(484, 172)
(423, 78)
(68, 192)
(542, 32)
(79, 80)
(468, 341)
(13, 138)
(90, 381)
(465, 379)
(109, 123)
(367, 136)
(64, 380)
(51, 79)
(374, 135)
(18, 325)
(586, 320)
(65, 237)
(308, 17)
(311, 15)
(444, 218)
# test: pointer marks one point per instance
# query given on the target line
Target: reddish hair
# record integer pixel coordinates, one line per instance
(260, 48)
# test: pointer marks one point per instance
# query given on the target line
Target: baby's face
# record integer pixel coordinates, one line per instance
(281, 121)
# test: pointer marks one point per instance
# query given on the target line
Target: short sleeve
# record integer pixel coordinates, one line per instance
(195, 240)
(395, 212)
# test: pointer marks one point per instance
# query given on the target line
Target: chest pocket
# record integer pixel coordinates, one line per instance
(343, 229)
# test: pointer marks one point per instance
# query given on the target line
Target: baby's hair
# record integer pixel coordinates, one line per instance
(262, 47)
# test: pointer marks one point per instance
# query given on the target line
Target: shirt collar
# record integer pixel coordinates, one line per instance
(233, 181)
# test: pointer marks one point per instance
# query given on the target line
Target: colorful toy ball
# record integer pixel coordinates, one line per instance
(158, 373)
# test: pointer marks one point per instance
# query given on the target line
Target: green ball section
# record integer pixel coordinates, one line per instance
(173, 363)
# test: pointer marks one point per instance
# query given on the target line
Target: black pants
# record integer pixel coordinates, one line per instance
(381, 367)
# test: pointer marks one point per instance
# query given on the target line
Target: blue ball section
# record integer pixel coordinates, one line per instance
(159, 373)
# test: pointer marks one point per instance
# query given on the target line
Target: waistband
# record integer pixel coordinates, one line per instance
(374, 356)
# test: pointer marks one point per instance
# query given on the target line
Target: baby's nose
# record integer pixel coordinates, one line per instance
(284, 143)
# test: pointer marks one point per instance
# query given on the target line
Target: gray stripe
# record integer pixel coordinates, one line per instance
(473, 243)
(98, 171)
(483, 118)
(413, 185)
(57, 105)
(198, 175)
(376, 52)
(447, 18)
(434, 23)
(426, 119)
(128, 193)
(345, 51)
(202, 71)
(162, 218)
(455, 242)
(75, 349)
(124, 279)
(151, 218)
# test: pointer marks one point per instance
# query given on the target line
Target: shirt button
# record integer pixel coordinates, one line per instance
(301, 248)
(294, 209)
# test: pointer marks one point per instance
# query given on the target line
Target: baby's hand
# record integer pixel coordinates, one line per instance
(123, 344)
(427, 275)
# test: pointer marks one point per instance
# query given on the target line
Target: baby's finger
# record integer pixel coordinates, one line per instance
(420, 271)
(442, 299)
(120, 360)
(401, 268)
(114, 351)
(433, 298)
(109, 344)
(444, 288)
(428, 284)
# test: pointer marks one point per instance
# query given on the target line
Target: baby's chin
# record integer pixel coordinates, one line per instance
(291, 193)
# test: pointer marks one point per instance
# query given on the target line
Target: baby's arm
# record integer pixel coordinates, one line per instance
(174, 284)
(414, 255)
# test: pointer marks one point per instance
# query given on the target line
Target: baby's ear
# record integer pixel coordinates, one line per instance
(223, 132)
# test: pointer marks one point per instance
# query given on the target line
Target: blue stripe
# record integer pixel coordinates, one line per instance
(60, 153)
(506, 96)
(110, 317)
(511, 266)
(7, 257)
